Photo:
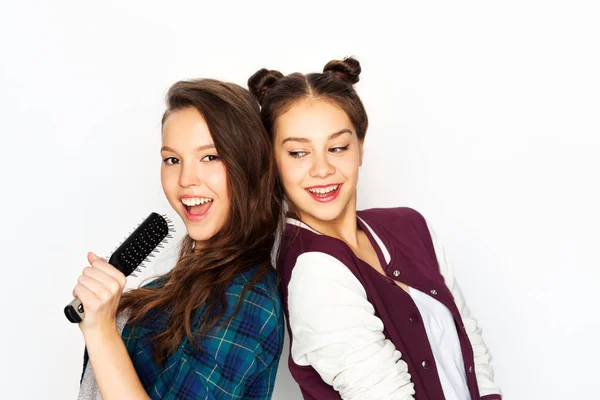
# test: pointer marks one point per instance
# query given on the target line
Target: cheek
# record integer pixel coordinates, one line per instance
(350, 165)
(292, 175)
(291, 170)
(218, 179)
(280, 163)
(168, 180)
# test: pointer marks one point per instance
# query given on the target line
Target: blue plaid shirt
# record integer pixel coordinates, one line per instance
(238, 360)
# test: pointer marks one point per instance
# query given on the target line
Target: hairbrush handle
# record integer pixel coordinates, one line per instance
(74, 311)
(130, 256)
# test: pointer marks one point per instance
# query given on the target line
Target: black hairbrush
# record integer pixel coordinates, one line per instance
(130, 256)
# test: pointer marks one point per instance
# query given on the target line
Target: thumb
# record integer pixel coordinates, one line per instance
(92, 257)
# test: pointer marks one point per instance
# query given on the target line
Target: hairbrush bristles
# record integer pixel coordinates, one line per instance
(130, 256)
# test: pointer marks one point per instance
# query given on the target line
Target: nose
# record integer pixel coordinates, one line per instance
(321, 167)
(190, 175)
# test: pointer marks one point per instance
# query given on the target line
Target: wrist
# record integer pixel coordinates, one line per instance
(100, 334)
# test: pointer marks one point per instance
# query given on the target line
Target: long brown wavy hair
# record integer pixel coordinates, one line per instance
(200, 276)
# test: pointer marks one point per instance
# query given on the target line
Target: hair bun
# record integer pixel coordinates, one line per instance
(261, 81)
(347, 69)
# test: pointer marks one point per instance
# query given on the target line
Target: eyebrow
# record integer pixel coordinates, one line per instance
(199, 148)
(306, 140)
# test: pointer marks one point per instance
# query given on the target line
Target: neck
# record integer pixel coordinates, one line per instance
(344, 227)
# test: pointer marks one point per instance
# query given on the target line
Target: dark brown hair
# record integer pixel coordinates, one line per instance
(200, 277)
(276, 93)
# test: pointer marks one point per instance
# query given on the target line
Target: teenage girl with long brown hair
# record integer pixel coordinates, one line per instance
(212, 328)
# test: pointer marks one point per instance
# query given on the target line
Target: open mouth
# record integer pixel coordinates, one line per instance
(324, 193)
(196, 206)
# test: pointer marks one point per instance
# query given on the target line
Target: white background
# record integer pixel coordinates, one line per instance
(484, 116)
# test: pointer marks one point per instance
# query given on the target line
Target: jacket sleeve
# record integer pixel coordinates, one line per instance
(335, 330)
(484, 371)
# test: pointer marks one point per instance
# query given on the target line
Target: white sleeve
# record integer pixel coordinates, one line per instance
(484, 372)
(335, 330)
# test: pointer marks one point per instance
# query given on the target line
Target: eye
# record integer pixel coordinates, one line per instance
(171, 160)
(339, 149)
(210, 157)
(298, 154)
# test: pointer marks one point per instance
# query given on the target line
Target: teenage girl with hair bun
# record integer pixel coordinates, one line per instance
(373, 308)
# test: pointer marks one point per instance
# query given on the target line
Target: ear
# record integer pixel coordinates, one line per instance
(361, 149)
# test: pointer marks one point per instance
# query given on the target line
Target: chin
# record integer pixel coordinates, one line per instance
(326, 214)
(200, 235)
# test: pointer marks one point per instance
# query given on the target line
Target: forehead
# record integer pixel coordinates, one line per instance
(313, 119)
(185, 125)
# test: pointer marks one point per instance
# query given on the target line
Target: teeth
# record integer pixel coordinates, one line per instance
(194, 201)
(325, 190)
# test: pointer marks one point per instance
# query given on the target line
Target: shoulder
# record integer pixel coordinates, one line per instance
(265, 286)
(298, 241)
(317, 273)
(317, 261)
(395, 213)
(397, 220)
(252, 325)
(258, 298)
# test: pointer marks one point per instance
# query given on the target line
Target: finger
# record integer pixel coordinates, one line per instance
(98, 274)
(88, 298)
(93, 257)
(102, 265)
(112, 283)
(104, 291)
(98, 262)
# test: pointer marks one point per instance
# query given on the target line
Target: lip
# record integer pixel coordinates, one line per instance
(332, 196)
(193, 196)
(196, 217)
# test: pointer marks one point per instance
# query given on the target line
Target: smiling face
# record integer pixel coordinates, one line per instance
(193, 177)
(318, 156)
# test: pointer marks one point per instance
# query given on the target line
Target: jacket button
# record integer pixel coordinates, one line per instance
(414, 318)
(396, 272)
(470, 369)
(426, 364)
(433, 292)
